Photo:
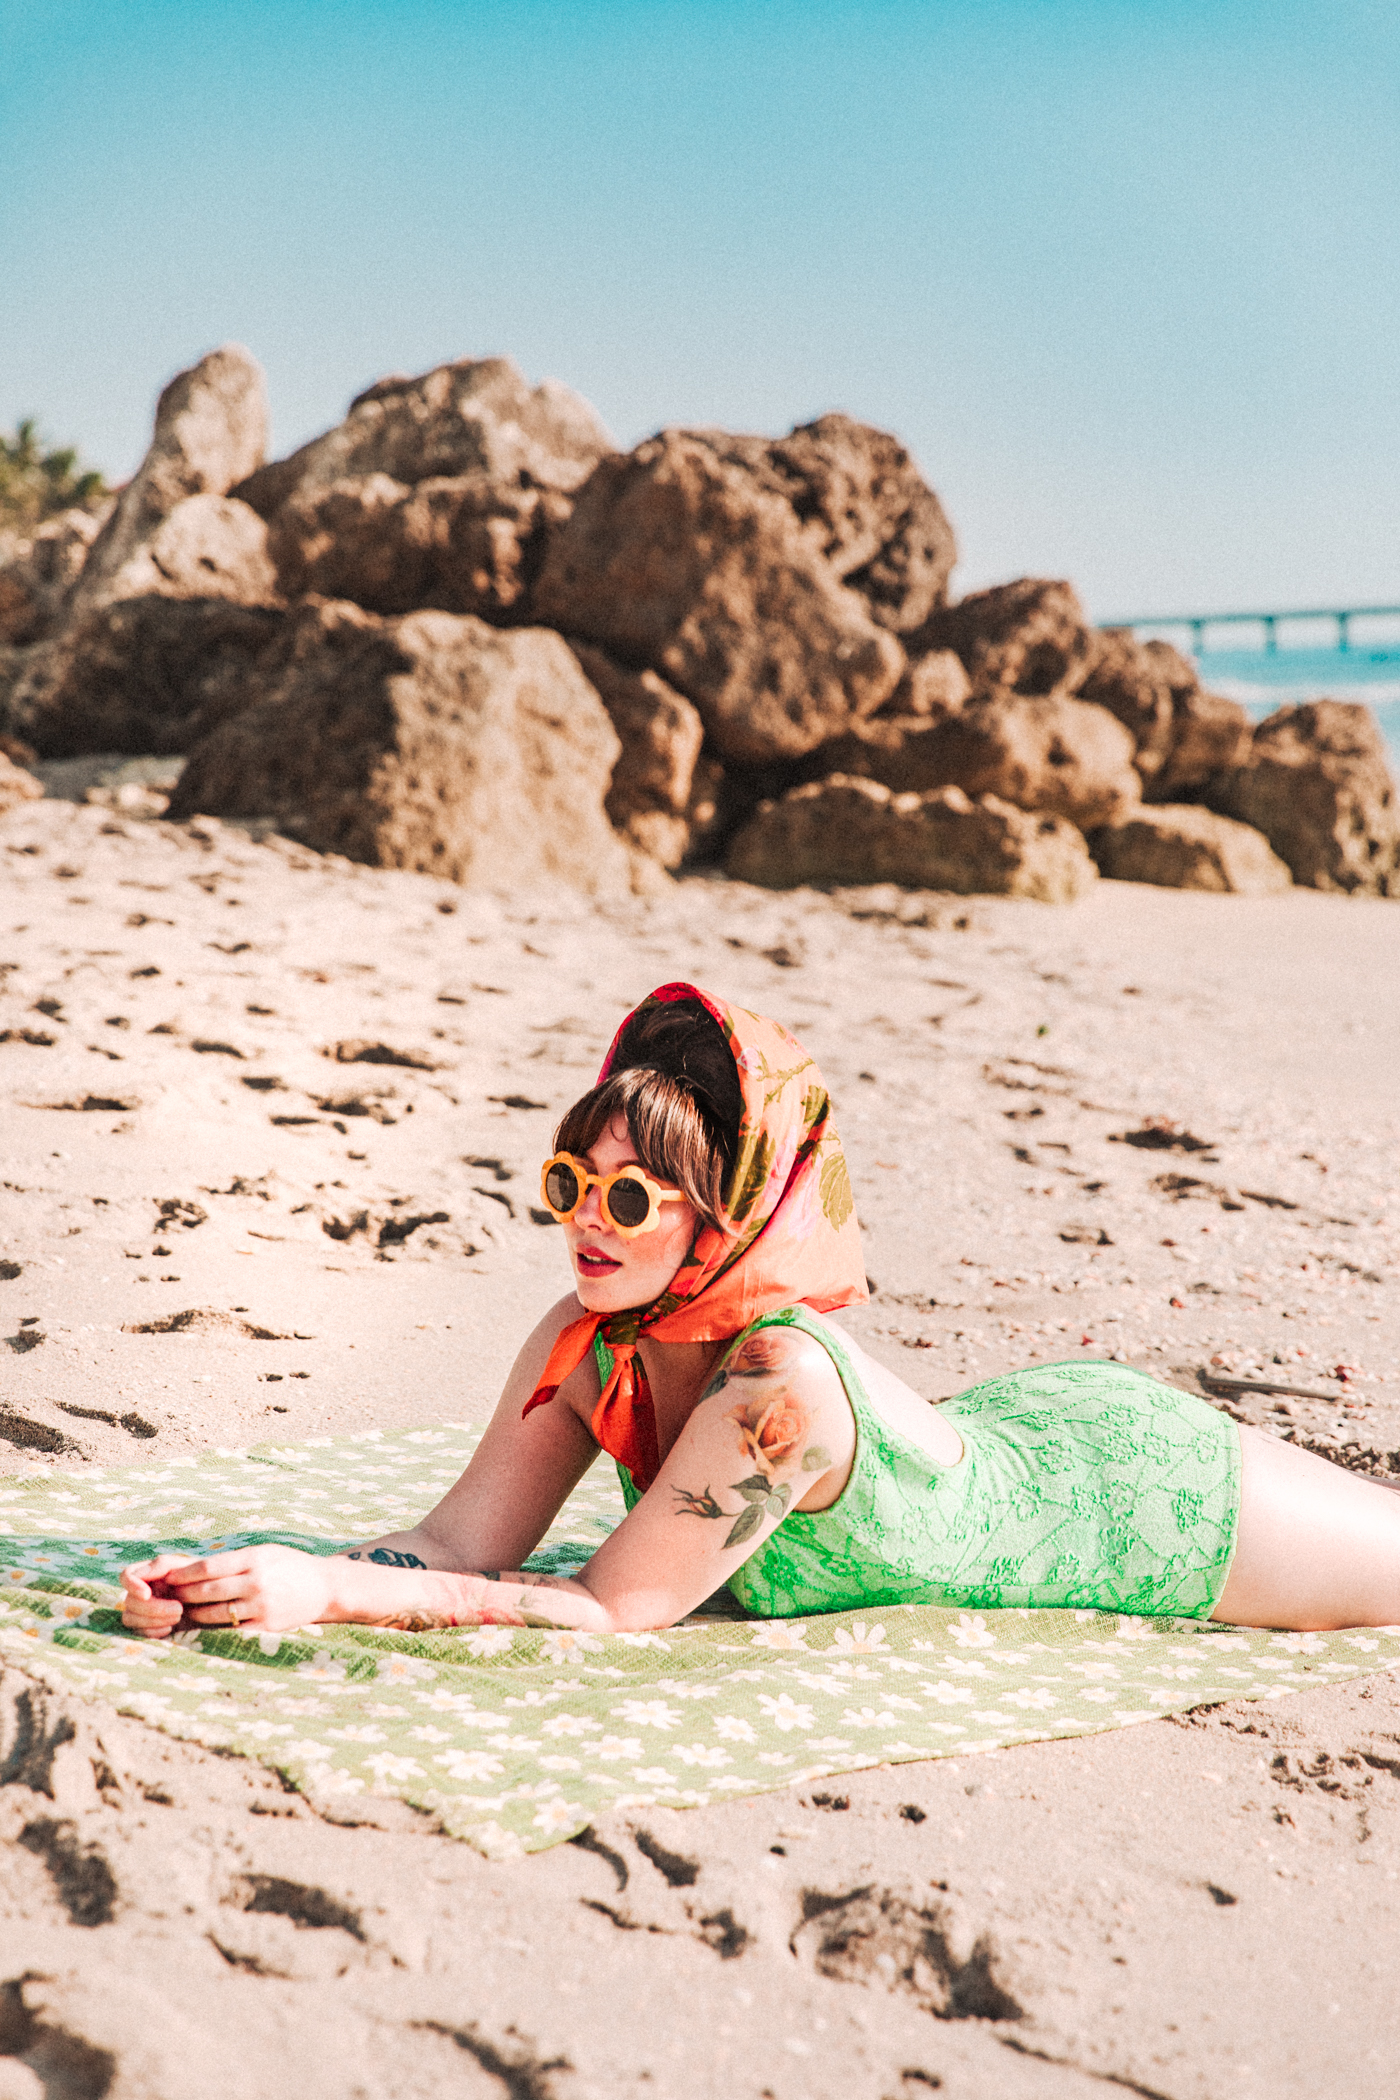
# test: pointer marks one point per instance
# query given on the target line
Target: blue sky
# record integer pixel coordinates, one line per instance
(1122, 273)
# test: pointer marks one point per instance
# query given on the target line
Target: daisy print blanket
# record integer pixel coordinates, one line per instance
(517, 1737)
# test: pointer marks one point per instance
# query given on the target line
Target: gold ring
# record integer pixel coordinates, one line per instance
(233, 1614)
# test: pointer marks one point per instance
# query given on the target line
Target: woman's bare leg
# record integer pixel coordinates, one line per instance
(1317, 1546)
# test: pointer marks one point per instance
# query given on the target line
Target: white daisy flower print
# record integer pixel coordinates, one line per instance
(861, 1639)
(784, 1711)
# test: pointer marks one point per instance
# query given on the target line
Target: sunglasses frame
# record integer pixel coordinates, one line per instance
(656, 1195)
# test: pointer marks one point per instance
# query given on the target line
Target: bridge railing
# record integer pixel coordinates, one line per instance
(1199, 624)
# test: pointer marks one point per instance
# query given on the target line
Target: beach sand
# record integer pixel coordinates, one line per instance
(1193, 1907)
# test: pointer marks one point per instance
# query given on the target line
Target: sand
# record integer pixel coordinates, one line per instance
(190, 1126)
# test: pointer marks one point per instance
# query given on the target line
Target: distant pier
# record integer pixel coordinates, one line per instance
(1199, 623)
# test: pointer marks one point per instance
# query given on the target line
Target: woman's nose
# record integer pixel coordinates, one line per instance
(591, 1213)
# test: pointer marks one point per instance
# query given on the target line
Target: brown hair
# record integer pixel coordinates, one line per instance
(674, 1085)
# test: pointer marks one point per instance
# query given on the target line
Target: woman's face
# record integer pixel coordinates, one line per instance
(612, 1274)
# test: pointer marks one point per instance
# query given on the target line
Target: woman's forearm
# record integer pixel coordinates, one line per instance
(375, 1591)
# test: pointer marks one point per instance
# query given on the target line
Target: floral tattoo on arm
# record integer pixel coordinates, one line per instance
(773, 1427)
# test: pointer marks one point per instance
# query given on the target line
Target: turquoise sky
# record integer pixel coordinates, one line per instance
(1123, 275)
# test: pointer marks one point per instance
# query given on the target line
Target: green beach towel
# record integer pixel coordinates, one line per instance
(517, 1738)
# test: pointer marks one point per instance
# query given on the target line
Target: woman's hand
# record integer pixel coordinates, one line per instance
(262, 1589)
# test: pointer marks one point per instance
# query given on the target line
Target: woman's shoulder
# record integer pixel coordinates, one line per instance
(790, 1339)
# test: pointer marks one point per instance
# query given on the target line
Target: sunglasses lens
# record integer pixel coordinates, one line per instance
(561, 1187)
(628, 1203)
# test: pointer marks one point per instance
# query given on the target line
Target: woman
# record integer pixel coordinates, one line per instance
(708, 1216)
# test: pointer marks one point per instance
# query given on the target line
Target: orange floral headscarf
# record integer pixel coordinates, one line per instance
(788, 1235)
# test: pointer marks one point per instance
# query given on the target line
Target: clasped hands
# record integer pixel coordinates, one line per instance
(259, 1588)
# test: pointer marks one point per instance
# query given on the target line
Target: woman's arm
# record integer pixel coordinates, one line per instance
(772, 1425)
(519, 1475)
(270, 1588)
(493, 1516)
(773, 1422)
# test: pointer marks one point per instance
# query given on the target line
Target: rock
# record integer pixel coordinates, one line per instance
(149, 674)
(14, 666)
(210, 432)
(675, 559)
(932, 686)
(1029, 637)
(16, 786)
(15, 748)
(1316, 783)
(37, 573)
(477, 417)
(1136, 682)
(1210, 735)
(208, 547)
(865, 505)
(845, 830)
(430, 741)
(458, 545)
(650, 799)
(1053, 754)
(1183, 847)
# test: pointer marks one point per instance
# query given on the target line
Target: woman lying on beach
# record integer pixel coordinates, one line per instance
(708, 1216)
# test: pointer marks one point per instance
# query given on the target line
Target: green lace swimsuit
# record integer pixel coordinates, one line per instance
(1080, 1485)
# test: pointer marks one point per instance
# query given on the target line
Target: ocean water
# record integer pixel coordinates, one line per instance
(1261, 681)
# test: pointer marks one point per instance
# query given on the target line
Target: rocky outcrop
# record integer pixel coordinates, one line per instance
(655, 800)
(865, 506)
(1184, 847)
(16, 786)
(478, 417)
(1051, 754)
(210, 432)
(1316, 783)
(150, 674)
(38, 572)
(845, 830)
(676, 560)
(465, 545)
(431, 741)
(1030, 637)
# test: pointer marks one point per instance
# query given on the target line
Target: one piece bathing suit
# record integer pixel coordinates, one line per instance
(1081, 1485)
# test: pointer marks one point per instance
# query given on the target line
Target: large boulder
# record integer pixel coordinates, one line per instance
(1052, 754)
(430, 741)
(1317, 784)
(1030, 636)
(655, 799)
(38, 572)
(16, 785)
(479, 416)
(210, 432)
(148, 674)
(462, 545)
(1184, 847)
(676, 559)
(848, 831)
(864, 504)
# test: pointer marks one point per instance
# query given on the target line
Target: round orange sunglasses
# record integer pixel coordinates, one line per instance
(631, 1199)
